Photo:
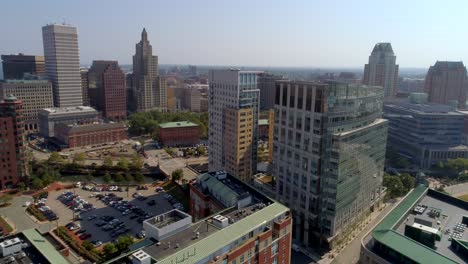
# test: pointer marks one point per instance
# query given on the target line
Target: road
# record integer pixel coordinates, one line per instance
(351, 253)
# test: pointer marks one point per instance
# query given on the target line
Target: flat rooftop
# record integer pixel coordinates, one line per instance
(69, 110)
(416, 210)
(177, 124)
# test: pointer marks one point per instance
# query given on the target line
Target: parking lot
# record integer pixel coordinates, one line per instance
(115, 213)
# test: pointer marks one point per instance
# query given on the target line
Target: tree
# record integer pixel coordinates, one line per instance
(137, 162)
(107, 178)
(122, 164)
(408, 181)
(107, 163)
(109, 249)
(119, 177)
(123, 242)
(87, 245)
(169, 151)
(201, 150)
(394, 186)
(5, 198)
(21, 186)
(177, 174)
(37, 183)
(138, 177)
(128, 177)
(55, 157)
(79, 158)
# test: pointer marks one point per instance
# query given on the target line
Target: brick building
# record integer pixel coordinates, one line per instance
(84, 135)
(12, 158)
(182, 133)
(106, 89)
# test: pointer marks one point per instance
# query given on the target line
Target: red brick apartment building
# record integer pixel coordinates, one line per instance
(84, 135)
(12, 158)
(181, 133)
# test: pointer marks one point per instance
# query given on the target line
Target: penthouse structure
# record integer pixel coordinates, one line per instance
(35, 95)
(249, 227)
(426, 226)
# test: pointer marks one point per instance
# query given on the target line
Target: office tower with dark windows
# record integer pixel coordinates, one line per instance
(16, 66)
(62, 63)
(84, 86)
(446, 83)
(382, 69)
(233, 122)
(35, 96)
(266, 85)
(328, 156)
(12, 142)
(149, 89)
(106, 87)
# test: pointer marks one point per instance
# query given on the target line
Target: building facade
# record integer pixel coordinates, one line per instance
(425, 133)
(84, 86)
(49, 117)
(181, 133)
(91, 134)
(12, 143)
(34, 94)
(62, 63)
(106, 86)
(233, 117)
(382, 69)
(16, 66)
(446, 83)
(149, 88)
(266, 85)
(328, 156)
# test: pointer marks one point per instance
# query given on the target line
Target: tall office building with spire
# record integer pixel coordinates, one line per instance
(62, 63)
(382, 69)
(148, 88)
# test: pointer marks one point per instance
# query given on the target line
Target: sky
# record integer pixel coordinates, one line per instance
(293, 33)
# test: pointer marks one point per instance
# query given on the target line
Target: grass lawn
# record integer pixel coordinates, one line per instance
(5, 226)
(463, 197)
(173, 189)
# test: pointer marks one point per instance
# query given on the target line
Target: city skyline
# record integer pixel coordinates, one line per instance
(320, 34)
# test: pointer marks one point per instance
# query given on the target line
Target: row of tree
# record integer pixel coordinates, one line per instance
(398, 186)
(147, 123)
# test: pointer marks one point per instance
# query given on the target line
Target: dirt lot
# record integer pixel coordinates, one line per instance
(66, 215)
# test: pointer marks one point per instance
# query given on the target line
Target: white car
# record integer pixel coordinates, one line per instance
(26, 204)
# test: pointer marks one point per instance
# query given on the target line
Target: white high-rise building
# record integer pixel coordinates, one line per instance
(382, 69)
(62, 63)
(233, 122)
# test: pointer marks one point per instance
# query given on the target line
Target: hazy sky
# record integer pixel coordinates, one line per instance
(318, 33)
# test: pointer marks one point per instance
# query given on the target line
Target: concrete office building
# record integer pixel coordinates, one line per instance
(35, 95)
(233, 122)
(382, 69)
(426, 226)
(266, 85)
(12, 143)
(62, 63)
(446, 83)
(16, 66)
(84, 86)
(149, 89)
(328, 156)
(107, 92)
(423, 132)
(73, 136)
(191, 99)
(49, 117)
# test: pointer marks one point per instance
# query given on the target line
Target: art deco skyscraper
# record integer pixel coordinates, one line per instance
(447, 83)
(382, 69)
(62, 62)
(233, 122)
(149, 89)
(328, 156)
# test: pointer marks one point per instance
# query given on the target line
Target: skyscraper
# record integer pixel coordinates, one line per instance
(382, 69)
(106, 86)
(446, 83)
(233, 122)
(328, 156)
(149, 89)
(266, 84)
(84, 86)
(11, 142)
(62, 63)
(15, 66)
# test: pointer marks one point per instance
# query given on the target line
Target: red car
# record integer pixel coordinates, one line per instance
(85, 236)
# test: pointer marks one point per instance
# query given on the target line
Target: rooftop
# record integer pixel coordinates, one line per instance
(178, 124)
(90, 127)
(423, 109)
(69, 110)
(44, 246)
(433, 213)
(262, 122)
